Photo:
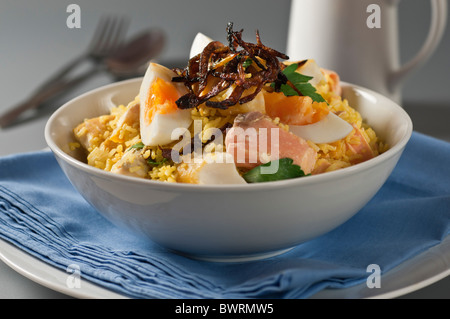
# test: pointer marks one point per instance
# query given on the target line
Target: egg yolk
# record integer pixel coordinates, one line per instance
(295, 110)
(161, 99)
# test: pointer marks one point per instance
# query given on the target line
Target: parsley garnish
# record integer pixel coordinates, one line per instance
(300, 82)
(151, 162)
(286, 170)
(247, 63)
(137, 146)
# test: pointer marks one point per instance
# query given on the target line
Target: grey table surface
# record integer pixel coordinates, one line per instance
(41, 26)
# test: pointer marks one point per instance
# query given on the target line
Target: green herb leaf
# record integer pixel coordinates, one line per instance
(308, 90)
(288, 90)
(300, 82)
(247, 63)
(137, 146)
(290, 69)
(286, 170)
(151, 162)
(297, 78)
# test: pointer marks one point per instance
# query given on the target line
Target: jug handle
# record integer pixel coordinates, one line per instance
(435, 33)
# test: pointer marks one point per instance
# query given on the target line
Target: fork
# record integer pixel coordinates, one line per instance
(107, 39)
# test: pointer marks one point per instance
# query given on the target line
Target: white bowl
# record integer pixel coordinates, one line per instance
(228, 222)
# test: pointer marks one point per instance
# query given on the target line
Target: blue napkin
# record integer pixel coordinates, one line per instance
(42, 214)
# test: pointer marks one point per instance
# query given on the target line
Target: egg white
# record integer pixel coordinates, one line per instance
(330, 129)
(219, 168)
(159, 130)
(199, 43)
(310, 68)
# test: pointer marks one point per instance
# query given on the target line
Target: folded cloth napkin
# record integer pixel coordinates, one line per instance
(42, 214)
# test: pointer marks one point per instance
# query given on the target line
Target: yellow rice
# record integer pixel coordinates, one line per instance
(107, 150)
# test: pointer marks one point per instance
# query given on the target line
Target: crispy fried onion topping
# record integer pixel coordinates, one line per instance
(242, 64)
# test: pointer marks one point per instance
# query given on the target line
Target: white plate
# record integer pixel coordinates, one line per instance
(49, 276)
(414, 274)
(419, 272)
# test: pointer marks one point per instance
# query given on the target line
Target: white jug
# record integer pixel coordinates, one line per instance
(359, 40)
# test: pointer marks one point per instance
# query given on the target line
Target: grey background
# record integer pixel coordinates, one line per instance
(35, 42)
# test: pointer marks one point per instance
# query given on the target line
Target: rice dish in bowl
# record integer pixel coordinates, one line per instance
(231, 221)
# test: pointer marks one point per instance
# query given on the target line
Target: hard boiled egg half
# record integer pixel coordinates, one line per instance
(199, 43)
(159, 115)
(211, 169)
(310, 68)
